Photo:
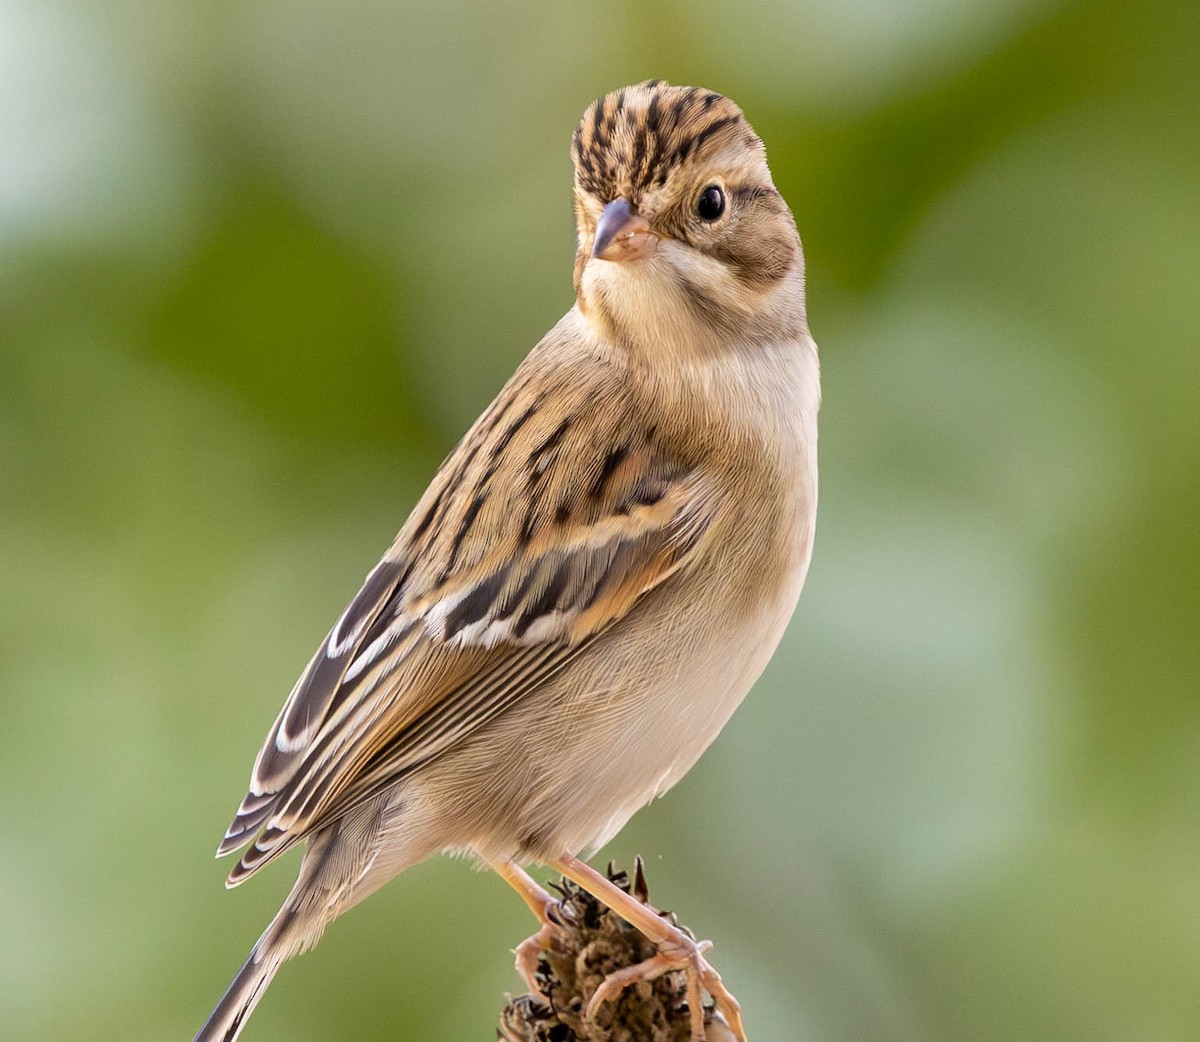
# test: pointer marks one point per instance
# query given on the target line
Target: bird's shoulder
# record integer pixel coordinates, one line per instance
(569, 454)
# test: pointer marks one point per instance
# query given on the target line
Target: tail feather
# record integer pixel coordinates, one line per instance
(225, 1022)
(333, 876)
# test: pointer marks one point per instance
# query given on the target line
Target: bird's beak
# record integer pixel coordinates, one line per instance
(622, 235)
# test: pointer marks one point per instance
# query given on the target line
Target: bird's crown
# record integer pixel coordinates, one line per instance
(631, 140)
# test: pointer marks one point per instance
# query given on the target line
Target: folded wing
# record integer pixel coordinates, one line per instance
(551, 519)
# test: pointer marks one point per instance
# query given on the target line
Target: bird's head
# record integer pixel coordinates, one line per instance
(683, 239)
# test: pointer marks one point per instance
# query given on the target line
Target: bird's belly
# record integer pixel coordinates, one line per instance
(695, 705)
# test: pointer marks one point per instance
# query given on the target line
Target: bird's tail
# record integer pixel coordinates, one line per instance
(290, 933)
(333, 877)
(225, 1022)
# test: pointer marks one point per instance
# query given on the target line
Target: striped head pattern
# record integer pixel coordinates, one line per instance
(675, 209)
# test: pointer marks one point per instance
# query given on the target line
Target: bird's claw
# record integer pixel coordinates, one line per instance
(529, 953)
(681, 953)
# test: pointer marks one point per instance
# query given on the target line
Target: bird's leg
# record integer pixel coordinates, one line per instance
(543, 906)
(676, 950)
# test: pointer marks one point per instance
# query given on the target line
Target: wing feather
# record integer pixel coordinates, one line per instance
(554, 515)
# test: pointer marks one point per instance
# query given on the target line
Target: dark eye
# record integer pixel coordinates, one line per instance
(711, 203)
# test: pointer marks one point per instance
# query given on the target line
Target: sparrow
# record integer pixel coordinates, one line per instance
(595, 577)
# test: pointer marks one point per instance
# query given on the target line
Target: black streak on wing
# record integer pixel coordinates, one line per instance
(474, 607)
(472, 511)
(315, 694)
(545, 602)
(552, 441)
(611, 462)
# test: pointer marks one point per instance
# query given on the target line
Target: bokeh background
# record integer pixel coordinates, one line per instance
(260, 265)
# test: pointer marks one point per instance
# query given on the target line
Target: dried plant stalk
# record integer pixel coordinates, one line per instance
(594, 942)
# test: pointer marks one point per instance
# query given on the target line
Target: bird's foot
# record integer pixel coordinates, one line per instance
(678, 952)
(550, 914)
(529, 951)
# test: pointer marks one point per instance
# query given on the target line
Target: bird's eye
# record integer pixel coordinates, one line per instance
(711, 203)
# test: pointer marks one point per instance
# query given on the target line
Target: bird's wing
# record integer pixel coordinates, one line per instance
(549, 521)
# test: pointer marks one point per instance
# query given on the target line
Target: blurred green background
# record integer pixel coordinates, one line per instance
(260, 265)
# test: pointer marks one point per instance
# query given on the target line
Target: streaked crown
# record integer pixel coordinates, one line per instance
(633, 139)
(682, 237)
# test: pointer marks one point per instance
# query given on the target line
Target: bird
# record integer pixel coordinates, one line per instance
(596, 576)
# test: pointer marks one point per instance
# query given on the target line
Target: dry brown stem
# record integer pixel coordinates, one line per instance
(592, 943)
